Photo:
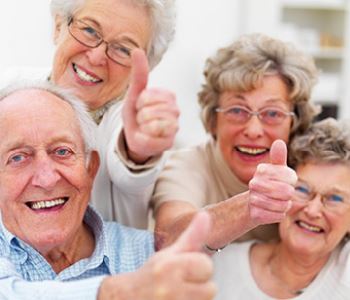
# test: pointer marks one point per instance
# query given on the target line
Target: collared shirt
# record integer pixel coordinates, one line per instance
(118, 249)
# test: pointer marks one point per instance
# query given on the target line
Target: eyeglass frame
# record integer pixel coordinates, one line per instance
(252, 113)
(71, 20)
(323, 196)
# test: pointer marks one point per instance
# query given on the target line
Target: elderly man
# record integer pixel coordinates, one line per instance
(52, 244)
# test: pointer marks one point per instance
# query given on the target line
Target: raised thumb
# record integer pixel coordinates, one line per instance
(195, 236)
(278, 153)
(139, 75)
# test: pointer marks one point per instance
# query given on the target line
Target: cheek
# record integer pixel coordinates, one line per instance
(118, 79)
(12, 187)
(282, 132)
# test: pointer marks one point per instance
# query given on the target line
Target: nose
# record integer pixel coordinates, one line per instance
(97, 56)
(253, 128)
(45, 175)
(313, 208)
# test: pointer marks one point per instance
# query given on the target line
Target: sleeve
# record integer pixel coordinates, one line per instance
(125, 172)
(182, 179)
(126, 187)
(12, 286)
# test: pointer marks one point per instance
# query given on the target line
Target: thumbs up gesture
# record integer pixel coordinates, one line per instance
(150, 116)
(272, 187)
(179, 272)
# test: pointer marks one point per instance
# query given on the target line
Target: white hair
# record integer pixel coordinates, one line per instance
(85, 121)
(162, 15)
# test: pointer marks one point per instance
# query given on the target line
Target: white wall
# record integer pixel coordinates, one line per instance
(25, 33)
(203, 26)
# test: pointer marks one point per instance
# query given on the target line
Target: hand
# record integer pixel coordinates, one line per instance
(150, 116)
(272, 187)
(179, 272)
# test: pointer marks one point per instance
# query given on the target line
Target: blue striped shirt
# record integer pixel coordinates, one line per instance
(25, 274)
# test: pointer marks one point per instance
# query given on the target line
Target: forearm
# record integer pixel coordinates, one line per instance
(16, 288)
(230, 219)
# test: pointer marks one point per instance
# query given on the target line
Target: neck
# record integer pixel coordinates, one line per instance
(80, 246)
(294, 272)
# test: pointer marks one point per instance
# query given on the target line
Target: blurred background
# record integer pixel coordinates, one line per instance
(320, 27)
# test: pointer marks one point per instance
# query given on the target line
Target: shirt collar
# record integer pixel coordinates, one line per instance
(95, 223)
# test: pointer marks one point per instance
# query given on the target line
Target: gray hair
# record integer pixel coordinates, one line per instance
(325, 141)
(162, 14)
(86, 123)
(241, 67)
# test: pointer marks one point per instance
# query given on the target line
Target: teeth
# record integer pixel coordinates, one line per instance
(46, 204)
(84, 76)
(252, 151)
(309, 227)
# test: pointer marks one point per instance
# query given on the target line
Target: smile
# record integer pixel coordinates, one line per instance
(85, 76)
(37, 205)
(251, 151)
(308, 227)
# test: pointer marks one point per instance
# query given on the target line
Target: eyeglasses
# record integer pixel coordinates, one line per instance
(303, 193)
(240, 114)
(89, 36)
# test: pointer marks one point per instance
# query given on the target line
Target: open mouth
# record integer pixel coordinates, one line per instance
(252, 151)
(308, 227)
(53, 204)
(85, 76)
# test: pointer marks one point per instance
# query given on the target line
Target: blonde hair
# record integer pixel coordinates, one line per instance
(241, 67)
(325, 141)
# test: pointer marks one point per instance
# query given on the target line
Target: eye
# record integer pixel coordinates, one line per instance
(90, 32)
(236, 110)
(63, 152)
(17, 158)
(335, 198)
(272, 114)
(120, 50)
(302, 191)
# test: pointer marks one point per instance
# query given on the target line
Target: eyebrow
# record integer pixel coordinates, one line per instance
(241, 97)
(332, 190)
(17, 144)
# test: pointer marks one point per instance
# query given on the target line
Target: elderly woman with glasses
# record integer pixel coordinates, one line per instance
(103, 48)
(256, 91)
(312, 258)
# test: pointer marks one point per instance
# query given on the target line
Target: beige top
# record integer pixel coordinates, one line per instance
(235, 281)
(200, 176)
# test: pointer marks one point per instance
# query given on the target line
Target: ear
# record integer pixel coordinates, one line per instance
(94, 163)
(58, 28)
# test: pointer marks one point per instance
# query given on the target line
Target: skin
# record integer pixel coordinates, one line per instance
(150, 115)
(119, 21)
(41, 161)
(293, 263)
(253, 134)
(179, 272)
(261, 205)
(42, 157)
(267, 201)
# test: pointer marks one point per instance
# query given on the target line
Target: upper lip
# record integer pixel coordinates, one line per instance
(47, 199)
(251, 147)
(310, 224)
(87, 71)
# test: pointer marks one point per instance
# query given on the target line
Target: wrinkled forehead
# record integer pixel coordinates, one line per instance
(33, 110)
(35, 102)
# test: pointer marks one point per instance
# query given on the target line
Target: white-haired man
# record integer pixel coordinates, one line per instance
(53, 245)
